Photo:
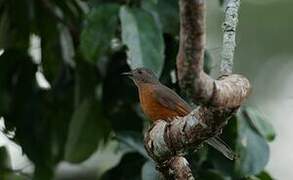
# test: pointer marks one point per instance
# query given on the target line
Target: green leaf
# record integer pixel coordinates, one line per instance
(264, 176)
(6, 171)
(4, 28)
(5, 67)
(16, 176)
(87, 129)
(24, 111)
(66, 42)
(149, 171)
(100, 27)
(252, 178)
(260, 123)
(5, 163)
(133, 141)
(86, 79)
(15, 22)
(50, 47)
(154, 1)
(167, 13)
(252, 148)
(143, 38)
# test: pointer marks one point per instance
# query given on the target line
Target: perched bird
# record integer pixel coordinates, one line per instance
(160, 102)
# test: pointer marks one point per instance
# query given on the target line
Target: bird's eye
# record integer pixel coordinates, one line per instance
(139, 72)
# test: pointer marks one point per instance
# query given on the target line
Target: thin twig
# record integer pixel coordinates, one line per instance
(229, 44)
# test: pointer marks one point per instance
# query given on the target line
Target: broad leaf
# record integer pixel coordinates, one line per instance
(260, 123)
(252, 178)
(25, 113)
(252, 148)
(6, 171)
(15, 24)
(167, 13)
(86, 79)
(149, 171)
(143, 38)
(50, 46)
(101, 24)
(4, 28)
(132, 141)
(87, 129)
(264, 176)
(5, 163)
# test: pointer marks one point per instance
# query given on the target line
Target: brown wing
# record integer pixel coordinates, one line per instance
(169, 99)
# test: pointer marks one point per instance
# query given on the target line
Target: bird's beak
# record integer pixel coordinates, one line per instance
(128, 74)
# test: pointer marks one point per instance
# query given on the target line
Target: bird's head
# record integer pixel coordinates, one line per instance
(142, 76)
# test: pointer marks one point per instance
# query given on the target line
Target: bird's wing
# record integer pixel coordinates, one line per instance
(169, 99)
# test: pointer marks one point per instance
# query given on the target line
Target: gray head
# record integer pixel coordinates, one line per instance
(142, 75)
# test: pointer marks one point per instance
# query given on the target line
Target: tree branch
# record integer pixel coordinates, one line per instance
(166, 139)
(196, 83)
(229, 28)
(166, 142)
(176, 167)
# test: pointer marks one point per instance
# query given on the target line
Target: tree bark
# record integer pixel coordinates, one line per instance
(229, 43)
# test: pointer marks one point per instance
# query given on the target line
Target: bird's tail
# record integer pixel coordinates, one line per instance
(221, 146)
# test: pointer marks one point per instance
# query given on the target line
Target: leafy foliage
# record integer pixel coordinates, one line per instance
(6, 168)
(144, 39)
(250, 146)
(149, 171)
(100, 27)
(84, 47)
(80, 143)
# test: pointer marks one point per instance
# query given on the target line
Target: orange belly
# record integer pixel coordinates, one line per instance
(152, 108)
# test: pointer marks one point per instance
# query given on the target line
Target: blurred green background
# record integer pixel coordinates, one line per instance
(66, 113)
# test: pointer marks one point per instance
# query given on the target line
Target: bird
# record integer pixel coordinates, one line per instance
(158, 102)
